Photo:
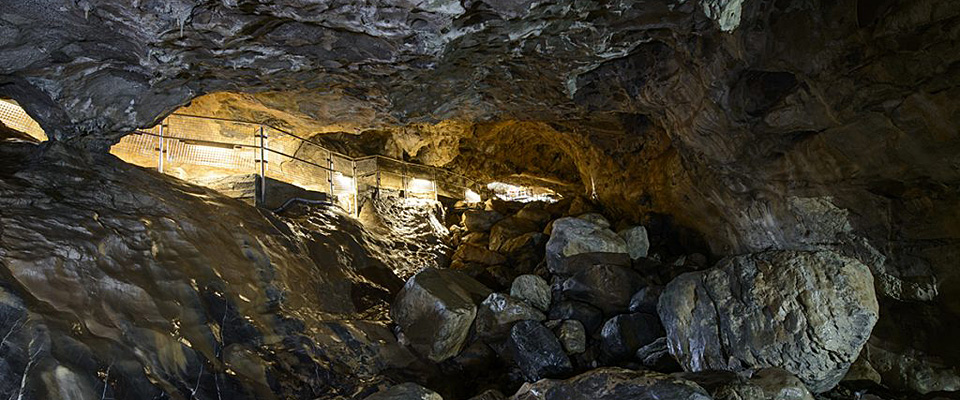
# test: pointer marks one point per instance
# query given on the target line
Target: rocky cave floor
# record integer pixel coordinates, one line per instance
(153, 288)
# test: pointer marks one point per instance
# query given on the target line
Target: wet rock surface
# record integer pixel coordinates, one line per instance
(435, 310)
(807, 312)
(614, 384)
(406, 391)
(537, 352)
(151, 287)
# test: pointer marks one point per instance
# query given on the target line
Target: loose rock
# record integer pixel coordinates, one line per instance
(608, 287)
(499, 312)
(510, 228)
(637, 241)
(807, 312)
(472, 253)
(405, 391)
(595, 218)
(572, 336)
(613, 384)
(576, 263)
(537, 352)
(657, 357)
(590, 316)
(646, 299)
(532, 289)
(624, 334)
(480, 220)
(572, 236)
(435, 309)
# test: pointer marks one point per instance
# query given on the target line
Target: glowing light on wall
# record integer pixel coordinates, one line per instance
(472, 197)
(420, 185)
(523, 194)
(342, 182)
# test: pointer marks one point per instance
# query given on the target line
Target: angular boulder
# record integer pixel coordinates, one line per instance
(537, 352)
(624, 334)
(596, 218)
(657, 357)
(572, 236)
(764, 384)
(405, 391)
(435, 309)
(638, 244)
(572, 336)
(590, 316)
(807, 312)
(613, 384)
(533, 290)
(608, 287)
(646, 299)
(472, 253)
(480, 220)
(576, 263)
(499, 312)
(510, 228)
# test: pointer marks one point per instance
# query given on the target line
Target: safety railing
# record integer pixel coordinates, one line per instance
(197, 147)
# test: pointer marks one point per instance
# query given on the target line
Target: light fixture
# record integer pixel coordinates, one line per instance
(342, 182)
(471, 197)
(420, 185)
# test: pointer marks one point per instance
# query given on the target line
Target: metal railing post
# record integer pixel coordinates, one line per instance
(356, 190)
(403, 180)
(263, 166)
(330, 172)
(160, 150)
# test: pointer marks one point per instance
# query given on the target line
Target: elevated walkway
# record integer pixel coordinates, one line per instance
(234, 157)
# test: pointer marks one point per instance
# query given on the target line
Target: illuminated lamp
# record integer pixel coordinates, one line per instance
(418, 185)
(471, 197)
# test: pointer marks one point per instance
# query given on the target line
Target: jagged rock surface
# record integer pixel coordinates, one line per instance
(159, 288)
(807, 312)
(613, 384)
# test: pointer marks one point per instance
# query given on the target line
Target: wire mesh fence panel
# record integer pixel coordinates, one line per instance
(208, 129)
(16, 118)
(139, 148)
(303, 174)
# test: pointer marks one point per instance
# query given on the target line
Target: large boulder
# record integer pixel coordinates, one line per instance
(613, 384)
(480, 220)
(624, 334)
(572, 236)
(764, 384)
(537, 352)
(472, 253)
(405, 391)
(576, 263)
(435, 309)
(499, 312)
(608, 287)
(533, 290)
(590, 316)
(807, 312)
(510, 228)
(573, 336)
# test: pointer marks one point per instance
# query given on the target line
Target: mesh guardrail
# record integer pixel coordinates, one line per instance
(198, 148)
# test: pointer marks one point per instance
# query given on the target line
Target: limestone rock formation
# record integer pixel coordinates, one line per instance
(498, 313)
(537, 352)
(158, 287)
(637, 241)
(807, 312)
(613, 384)
(532, 289)
(435, 310)
(572, 336)
(764, 384)
(572, 236)
(622, 336)
(607, 287)
(405, 391)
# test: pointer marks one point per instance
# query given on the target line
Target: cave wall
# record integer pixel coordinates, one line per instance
(759, 124)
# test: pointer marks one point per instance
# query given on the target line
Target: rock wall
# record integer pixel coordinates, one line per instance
(757, 124)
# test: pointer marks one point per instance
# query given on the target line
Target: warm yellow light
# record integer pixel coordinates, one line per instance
(420, 185)
(472, 197)
(342, 182)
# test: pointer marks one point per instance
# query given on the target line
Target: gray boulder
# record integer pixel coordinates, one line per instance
(572, 236)
(764, 384)
(595, 218)
(608, 287)
(510, 228)
(624, 334)
(499, 312)
(435, 309)
(537, 352)
(480, 220)
(489, 395)
(576, 263)
(613, 384)
(532, 289)
(807, 312)
(638, 244)
(405, 391)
